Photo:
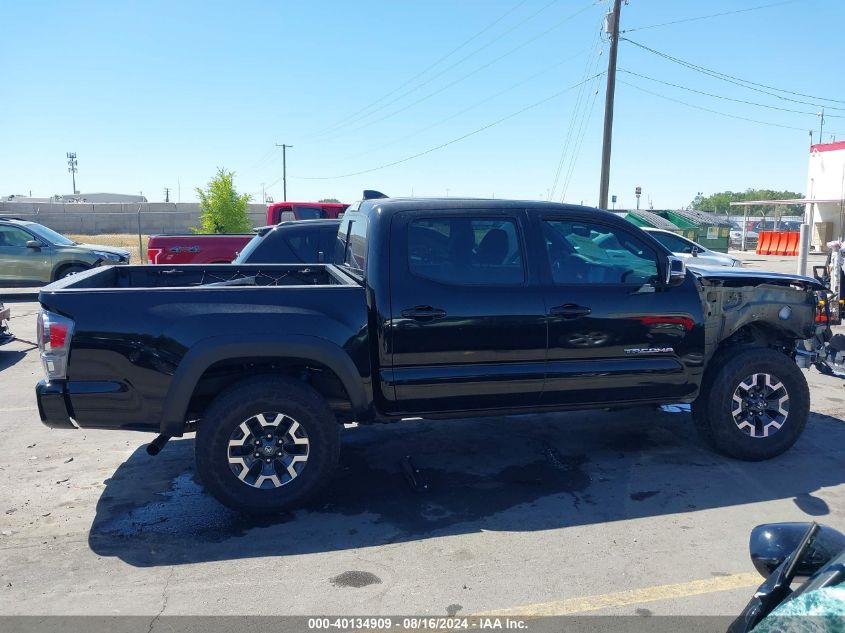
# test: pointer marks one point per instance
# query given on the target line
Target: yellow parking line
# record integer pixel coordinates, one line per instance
(569, 606)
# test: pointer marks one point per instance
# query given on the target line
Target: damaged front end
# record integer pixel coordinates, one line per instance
(778, 310)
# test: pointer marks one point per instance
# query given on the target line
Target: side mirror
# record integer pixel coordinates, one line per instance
(34, 245)
(676, 271)
(771, 543)
(695, 251)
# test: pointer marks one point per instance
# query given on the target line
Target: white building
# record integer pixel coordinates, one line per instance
(825, 209)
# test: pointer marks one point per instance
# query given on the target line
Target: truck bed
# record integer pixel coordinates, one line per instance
(202, 276)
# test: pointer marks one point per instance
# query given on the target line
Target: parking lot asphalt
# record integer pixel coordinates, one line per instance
(596, 512)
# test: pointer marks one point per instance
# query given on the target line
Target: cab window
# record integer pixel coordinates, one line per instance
(592, 253)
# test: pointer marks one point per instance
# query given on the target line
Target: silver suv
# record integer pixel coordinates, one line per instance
(32, 254)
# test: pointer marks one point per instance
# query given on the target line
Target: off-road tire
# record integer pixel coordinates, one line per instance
(242, 401)
(712, 412)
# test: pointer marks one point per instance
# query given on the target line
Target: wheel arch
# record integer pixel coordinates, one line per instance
(208, 352)
(67, 263)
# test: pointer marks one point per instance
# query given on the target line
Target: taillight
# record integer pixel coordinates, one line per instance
(153, 254)
(54, 335)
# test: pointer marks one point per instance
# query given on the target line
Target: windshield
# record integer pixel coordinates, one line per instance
(248, 250)
(49, 235)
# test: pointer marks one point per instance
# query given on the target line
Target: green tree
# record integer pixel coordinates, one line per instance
(721, 202)
(222, 209)
(329, 200)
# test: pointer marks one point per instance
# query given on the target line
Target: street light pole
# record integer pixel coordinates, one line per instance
(284, 170)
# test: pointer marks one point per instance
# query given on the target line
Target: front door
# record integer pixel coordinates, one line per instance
(467, 322)
(18, 262)
(616, 333)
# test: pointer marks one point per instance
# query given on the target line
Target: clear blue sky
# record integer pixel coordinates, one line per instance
(154, 94)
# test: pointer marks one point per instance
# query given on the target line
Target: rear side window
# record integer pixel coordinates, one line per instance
(353, 247)
(306, 246)
(466, 251)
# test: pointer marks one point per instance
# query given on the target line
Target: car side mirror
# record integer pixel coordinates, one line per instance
(771, 543)
(34, 245)
(695, 251)
(676, 271)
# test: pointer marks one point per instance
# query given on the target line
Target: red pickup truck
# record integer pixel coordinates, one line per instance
(197, 248)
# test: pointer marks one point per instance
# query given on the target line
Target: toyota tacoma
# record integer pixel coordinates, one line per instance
(432, 309)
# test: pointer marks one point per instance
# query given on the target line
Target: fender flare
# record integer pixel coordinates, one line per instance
(218, 348)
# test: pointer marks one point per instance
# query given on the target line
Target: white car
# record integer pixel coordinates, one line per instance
(691, 252)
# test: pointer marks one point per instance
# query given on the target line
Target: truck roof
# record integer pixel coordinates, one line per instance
(391, 205)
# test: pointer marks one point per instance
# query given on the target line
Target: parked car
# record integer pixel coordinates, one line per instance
(32, 254)
(692, 252)
(284, 211)
(197, 248)
(306, 242)
(774, 225)
(751, 237)
(5, 335)
(437, 308)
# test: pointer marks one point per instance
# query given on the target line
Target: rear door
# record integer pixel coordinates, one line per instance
(467, 328)
(18, 262)
(616, 332)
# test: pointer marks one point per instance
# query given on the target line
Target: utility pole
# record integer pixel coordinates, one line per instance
(611, 26)
(72, 168)
(263, 195)
(167, 194)
(821, 126)
(284, 170)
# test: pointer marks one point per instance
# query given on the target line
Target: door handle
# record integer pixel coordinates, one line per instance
(423, 313)
(571, 311)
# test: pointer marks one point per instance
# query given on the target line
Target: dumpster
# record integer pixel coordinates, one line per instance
(652, 220)
(708, 229)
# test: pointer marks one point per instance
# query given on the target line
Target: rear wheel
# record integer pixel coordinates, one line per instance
(753, 405)
(267, 444)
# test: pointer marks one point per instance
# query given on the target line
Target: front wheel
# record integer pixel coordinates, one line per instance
(753, 404)
(71, 270)
(267, 444)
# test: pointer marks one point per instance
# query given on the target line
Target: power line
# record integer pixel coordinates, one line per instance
(744, 83)
(572, 119)
(472, 72)
(424, 70)
(709, 16)
(454, 140)
(436, 76)
(464, 111)
(716, 96)
(725, 114)
(579, 140)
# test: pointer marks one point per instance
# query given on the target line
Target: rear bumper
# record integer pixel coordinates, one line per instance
(52, 404)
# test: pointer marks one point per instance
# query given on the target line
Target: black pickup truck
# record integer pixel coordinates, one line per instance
(432, 309)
